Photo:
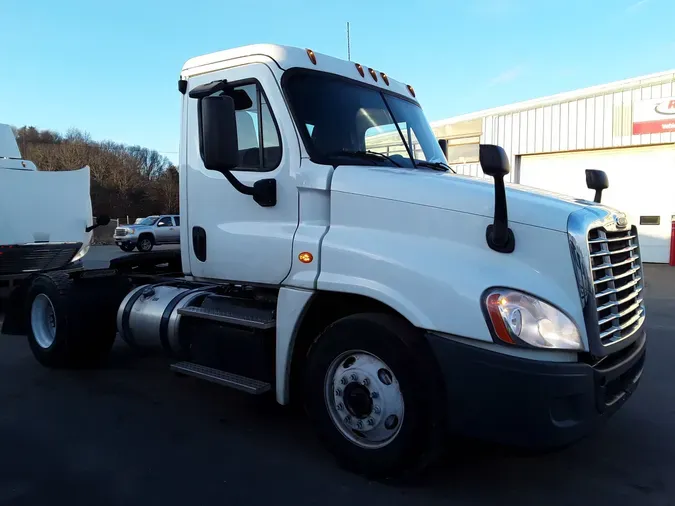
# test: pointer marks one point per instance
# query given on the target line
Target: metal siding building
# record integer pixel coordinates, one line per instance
(592, 118)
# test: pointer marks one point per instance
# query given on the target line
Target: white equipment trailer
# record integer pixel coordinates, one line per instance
(397, 301)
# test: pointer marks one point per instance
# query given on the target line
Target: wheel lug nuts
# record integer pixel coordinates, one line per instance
(371, 422)
(340, 407)
(377, 410)
(359, 424)
(366, 382)
(354, 377)
(343, 381)
(338, 392)
(374, 395)
(348, 419)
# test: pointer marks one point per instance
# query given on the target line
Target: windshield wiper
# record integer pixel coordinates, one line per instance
(435, 165)
(368, 155)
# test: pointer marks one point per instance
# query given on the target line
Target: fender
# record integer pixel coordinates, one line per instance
(432, 265)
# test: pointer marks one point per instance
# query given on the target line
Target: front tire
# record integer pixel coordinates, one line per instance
(72, 324)
(127, 247)
(145, 243)
(372, 393)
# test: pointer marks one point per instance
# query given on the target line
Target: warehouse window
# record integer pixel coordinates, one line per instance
(650, 220)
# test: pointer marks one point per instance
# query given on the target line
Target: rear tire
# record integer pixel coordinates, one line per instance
(69, 323)
(145, 243)
(377, 371)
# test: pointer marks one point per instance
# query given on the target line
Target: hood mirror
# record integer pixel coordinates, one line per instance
(495, 163)
(100, 221)
(597, 180)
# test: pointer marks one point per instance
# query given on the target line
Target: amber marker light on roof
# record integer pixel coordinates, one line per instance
(411, 90)
(305, 257)
(312, 56)
(385, 78)
(360, 69)
(373, 74)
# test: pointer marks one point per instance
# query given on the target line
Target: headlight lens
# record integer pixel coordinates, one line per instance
(130, 231)
(520, 318)
(80, 254)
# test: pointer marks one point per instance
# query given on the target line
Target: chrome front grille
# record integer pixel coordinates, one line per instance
(120, 232)
(617, 282)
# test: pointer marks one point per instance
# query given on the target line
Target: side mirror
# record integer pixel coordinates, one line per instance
(493, 160)
(443, 143)
(495, 163)
(218, 133)
(597, 180)
(218, 142)
(100, 221)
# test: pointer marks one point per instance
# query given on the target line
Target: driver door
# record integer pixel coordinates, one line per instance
(230, 236)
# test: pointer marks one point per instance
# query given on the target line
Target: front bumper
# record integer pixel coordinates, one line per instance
(531, 403)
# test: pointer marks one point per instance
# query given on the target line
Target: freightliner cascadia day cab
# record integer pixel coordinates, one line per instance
(397, 301)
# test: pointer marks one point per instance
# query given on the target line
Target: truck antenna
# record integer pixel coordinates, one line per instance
(349, 44)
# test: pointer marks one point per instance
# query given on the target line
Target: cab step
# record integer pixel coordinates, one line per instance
(227, 379)
(253, 317)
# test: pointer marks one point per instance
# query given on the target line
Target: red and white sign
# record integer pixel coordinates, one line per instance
(654, 116)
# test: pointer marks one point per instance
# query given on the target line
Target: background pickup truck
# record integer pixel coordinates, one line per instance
(152, 230)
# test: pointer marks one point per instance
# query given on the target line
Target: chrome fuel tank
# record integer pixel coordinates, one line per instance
(148, 316)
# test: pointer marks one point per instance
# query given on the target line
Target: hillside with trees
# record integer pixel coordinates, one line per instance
(125, 180)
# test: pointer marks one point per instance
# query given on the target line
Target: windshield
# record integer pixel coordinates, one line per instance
(150, 220)
(343, 119)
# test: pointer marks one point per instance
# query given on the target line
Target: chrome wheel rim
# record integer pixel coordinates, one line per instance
(145, 243)
(364, 399)
(43, 321)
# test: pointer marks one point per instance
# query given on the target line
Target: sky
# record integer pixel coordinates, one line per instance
(111, 68)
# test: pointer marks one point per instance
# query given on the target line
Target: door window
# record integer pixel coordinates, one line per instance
(257, 134)
(165, 222)
(176, 219)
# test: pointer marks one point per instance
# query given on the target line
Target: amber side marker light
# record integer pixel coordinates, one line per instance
(385, 78)
(411, 90)
(360, 69)
(305, 257)
(373, 74)
(493, 302)
(312, 56)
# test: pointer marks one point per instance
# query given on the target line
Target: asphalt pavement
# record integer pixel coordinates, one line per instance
(133, 433)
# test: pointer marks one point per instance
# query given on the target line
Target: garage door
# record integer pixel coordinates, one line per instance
(641, 184)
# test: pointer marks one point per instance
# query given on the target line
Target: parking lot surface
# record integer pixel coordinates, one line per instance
(134, 433)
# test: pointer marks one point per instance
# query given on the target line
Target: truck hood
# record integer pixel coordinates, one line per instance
(464, 194)
(42, 207)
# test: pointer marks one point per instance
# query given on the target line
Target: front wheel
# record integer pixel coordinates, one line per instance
(127, 247)
(144, 244)
(372, 394)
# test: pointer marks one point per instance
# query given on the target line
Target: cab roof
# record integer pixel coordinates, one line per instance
(287, 57)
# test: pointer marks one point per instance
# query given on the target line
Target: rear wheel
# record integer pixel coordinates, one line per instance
(372, 394)
(72, 324)
(145, 243)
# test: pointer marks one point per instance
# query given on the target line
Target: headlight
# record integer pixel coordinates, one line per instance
(130, 231)
(518, 318)
(80, 254)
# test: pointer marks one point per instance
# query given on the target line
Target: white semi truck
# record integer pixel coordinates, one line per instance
(398, 301)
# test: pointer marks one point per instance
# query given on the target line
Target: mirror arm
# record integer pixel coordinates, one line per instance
(598, 196)
(498, 235)
(264, 191)
(238, 185)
